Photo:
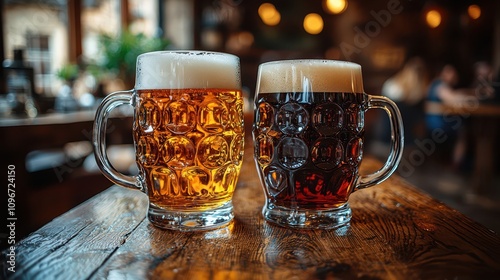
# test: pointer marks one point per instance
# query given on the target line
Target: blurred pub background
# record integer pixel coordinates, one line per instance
(60, 58)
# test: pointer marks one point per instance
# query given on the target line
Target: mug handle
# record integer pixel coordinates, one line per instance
(396, 145)
(107, 105)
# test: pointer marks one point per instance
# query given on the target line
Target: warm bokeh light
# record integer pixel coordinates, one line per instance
(245, 38)
(313, 23)
(268, 14)
(335, 6)
(433, 18)
(267, 10)
(474, 11)
(240, 41)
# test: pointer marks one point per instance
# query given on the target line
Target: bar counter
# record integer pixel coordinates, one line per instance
(397, 232)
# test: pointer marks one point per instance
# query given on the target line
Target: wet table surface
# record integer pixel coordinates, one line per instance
(396, 232)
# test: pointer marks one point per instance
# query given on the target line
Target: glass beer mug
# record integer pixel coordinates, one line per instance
(308, 136)
(188, 134)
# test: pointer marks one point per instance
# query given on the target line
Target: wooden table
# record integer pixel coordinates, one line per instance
(396, 232)
(66, 187)
(482, 130)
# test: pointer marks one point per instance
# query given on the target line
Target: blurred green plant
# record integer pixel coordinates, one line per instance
(119, 53)
(68, 73)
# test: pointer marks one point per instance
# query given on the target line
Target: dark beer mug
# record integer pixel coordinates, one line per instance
(309, 134)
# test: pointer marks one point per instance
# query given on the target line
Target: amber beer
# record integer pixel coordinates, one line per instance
(189, 146)
(309, 135)
(188, 134)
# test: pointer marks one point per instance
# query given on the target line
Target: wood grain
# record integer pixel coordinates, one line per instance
(396, 232)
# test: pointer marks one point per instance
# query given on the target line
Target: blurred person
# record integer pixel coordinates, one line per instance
(483, 81)
(407, 88)
(442, 92)
(483, 72)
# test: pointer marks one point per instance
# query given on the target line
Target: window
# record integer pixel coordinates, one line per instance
(38, 55)
(56, 33)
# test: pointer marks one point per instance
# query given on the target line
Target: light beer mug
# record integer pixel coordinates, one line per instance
(188, 134)
(308, 135)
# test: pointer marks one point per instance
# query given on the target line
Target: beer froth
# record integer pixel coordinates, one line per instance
(187, 69)
(310, 76)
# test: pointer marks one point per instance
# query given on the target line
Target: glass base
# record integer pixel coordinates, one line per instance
(326, 219)
(190, 220)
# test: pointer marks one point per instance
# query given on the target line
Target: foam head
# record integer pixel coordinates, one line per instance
(187, 69)
(309, 75)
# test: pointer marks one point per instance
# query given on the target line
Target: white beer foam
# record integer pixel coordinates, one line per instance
(309, 75)
(187, 69)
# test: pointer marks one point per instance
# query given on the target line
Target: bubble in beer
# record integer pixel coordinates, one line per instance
(161, 137)
(196, 181)
(213, 151)
(326, 153)
(148, 150)
(275, 178)
(227, 96)
(237, 147)
(236, 117)
(180, 151)
(343, 178)
(354, 151)
(355, 118)
(213, 116)
(182, 117)
(327, 119)
(264, 149)
(265, 116)
(292, 118)
(292, 152)
(148, 115)
(164, 182)
(225, 178)
(311, 185)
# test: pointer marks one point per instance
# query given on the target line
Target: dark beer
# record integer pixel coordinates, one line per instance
(308, 135)
(309, 147)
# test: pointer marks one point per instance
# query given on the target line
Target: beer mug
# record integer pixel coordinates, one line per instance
(308, 134)
(188, 135)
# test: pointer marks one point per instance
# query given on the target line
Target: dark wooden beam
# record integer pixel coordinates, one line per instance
(198, 13)
(3, 83)
(75, 30)
(124, 15)
(160, 32)
(496, 42)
